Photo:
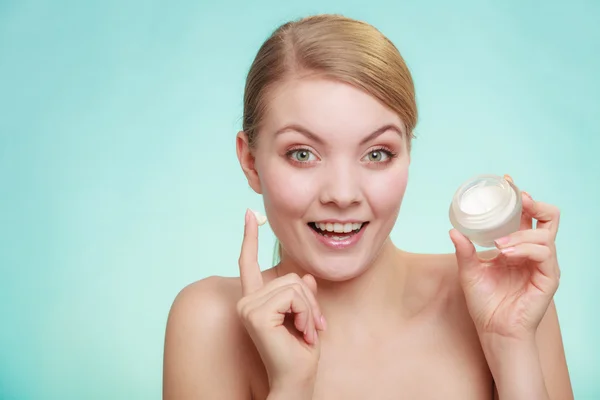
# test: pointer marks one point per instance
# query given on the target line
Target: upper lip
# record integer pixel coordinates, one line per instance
(339, 221)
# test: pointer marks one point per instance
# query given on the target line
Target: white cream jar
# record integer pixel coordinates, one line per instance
(486, 208)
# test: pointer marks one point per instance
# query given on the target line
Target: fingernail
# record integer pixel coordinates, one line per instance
(247, 216)
(323, 322)
(507, 250)
(528, 195)
(502, 241)
(508, 178)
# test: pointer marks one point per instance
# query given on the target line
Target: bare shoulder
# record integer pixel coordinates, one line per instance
(442, 265)
(433, 282)
(439, 269)
(436, 278)
(211, 298)
(204, 342)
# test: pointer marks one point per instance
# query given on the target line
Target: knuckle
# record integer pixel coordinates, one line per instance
(294, 277)
(296, 292)
(290, 290)
(289, 293)
(298, 288)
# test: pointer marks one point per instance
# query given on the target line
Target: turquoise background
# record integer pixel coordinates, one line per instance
(119, 182)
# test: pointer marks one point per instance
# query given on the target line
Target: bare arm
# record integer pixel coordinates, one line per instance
(552, 356)
(202, 355)
(544, 363)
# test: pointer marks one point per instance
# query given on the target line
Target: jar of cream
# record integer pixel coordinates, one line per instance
(486, 208)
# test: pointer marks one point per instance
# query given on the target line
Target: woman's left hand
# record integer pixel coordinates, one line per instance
(508, 295)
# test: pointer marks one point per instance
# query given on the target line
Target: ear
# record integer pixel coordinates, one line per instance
(246, 159)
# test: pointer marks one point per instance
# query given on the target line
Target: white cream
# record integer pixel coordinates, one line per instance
(485, 208)
(479, 200)
(483, 199)
(261, 219)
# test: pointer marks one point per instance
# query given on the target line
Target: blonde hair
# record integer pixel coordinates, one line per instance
(333, 47)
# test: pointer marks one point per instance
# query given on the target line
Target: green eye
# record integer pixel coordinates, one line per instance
(301, 155)
(376, 156)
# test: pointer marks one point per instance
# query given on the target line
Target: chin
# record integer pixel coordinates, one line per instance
(337, 268)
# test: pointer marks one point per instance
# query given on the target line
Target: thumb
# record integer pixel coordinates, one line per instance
(466, 256)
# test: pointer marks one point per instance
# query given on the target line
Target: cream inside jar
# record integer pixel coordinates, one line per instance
(486, 208)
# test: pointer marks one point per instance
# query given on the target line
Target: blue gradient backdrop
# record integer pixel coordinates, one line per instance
(119, 182)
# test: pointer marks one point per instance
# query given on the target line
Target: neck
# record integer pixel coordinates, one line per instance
(364, 299)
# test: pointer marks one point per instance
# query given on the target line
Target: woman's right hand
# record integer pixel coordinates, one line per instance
(282, 318)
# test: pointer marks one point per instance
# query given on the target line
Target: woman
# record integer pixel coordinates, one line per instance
(329, 111)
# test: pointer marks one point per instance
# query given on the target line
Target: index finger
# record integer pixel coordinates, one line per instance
(250, 274)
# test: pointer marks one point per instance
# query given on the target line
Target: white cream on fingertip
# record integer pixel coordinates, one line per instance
(261, 219)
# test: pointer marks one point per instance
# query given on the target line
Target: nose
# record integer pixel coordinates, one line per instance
(340, 186)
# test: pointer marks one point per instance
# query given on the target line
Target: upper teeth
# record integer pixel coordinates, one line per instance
(337, 227)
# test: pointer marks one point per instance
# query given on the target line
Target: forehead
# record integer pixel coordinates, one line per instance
(326, 107)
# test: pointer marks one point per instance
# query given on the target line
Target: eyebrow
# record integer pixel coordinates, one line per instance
(302, 130)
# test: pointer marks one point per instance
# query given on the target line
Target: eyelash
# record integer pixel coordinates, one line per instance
(391, 154)
(387, 151)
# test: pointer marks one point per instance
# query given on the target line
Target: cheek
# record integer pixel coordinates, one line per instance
(287, 195)
(385, 192)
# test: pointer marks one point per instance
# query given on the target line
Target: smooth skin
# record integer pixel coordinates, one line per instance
(371, 321)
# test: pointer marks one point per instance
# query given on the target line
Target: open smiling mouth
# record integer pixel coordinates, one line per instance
(338, 231)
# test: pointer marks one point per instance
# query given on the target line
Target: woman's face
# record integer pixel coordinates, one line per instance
(332, 165)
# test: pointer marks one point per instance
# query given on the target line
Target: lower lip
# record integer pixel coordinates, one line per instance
(338, 244)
